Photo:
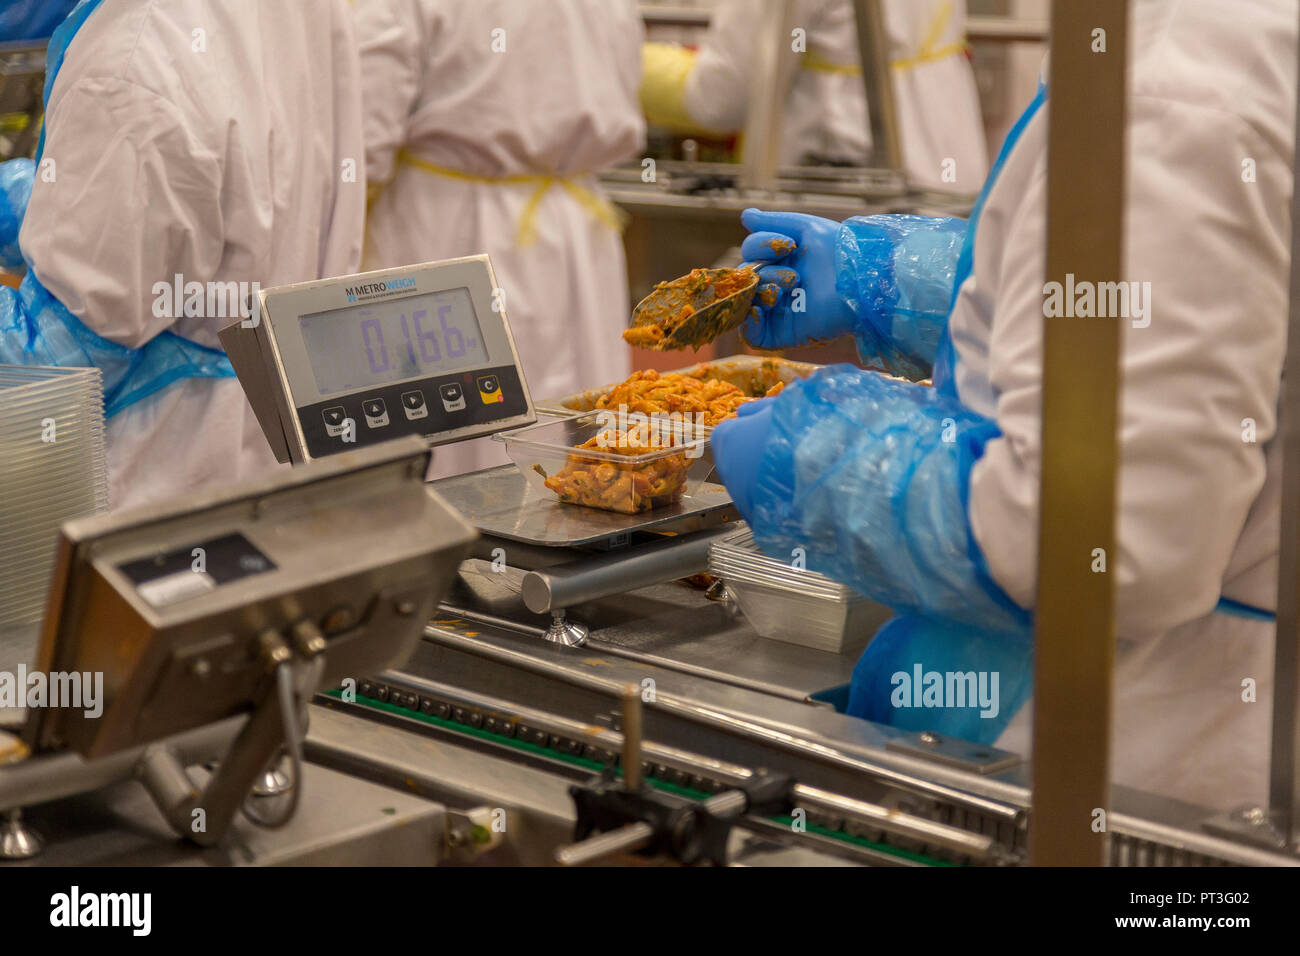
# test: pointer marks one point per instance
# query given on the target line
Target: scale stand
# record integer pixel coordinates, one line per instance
(274, 782)
(18, 841)
(566, 632)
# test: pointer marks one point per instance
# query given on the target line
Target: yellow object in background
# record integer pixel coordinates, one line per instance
(812, 60)
(665, 70)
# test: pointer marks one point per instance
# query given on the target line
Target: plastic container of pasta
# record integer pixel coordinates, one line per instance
(596, 461)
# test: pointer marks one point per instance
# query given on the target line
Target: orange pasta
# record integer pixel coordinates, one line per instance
(650, 393)
(617, 486)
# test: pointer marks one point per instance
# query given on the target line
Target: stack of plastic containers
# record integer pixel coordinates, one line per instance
(789, 604)
(52, 469)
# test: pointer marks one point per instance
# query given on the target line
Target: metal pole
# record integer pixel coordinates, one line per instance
(1075, 617)
(632, 737)
(773, 65)
(878, 79)
(1284, 761)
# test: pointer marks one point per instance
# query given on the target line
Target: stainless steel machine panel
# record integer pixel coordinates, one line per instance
(171, 604)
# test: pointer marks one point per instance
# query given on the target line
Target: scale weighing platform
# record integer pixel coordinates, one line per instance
(338, 364)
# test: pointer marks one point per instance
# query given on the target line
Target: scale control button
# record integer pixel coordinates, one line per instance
(413, 405)
(336, 420)
(489, 389)
(376, 412)
(453, 399)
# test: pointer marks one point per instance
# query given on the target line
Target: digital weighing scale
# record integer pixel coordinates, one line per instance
(426, 350)
(338, 364)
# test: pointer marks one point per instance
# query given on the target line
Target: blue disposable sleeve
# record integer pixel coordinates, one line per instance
(897, 679)
(896, 274)
(870, 476)
(32, 19)
(37, 329)
(16, 178)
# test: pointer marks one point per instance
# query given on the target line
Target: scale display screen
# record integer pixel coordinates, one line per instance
(389, 341)
(335, 364)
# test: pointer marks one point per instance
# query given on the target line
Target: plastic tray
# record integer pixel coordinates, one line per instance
(795, 606)
(52, 467)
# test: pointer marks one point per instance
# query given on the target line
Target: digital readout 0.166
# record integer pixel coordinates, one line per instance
(412, 337)
(431, 351)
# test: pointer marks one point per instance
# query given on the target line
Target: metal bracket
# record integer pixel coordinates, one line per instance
(470, 833)
(952, 752)
(1250, 824)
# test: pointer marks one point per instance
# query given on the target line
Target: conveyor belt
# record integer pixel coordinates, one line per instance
(474, 723)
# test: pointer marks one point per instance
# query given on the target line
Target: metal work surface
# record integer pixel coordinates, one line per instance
(500, 503)
(341, 821)
(504, 671)
(668, 625)
(539, 813)
(481, 736)
(378, 794)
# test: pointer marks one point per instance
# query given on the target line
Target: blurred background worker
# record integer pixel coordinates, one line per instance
(926, 499)
(192, 141)
(485, 123)
(825, 115)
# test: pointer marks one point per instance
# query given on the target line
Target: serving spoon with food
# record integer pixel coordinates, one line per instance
(693, 310)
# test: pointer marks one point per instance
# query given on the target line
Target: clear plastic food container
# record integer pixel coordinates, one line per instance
(598, 461)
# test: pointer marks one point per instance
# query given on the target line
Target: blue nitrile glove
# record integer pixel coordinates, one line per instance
(16, 178)
(887, 279)
(796, 302)
(884, 687)
(738, 443)
(871, 476)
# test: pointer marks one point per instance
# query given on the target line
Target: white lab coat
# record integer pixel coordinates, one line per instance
(1212, 95)
(553, 93)
(204, 138)
(825, 114)
(940, 127)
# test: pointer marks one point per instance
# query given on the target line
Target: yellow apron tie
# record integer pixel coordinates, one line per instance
(596, 205)
(812, 60)
(929, 51)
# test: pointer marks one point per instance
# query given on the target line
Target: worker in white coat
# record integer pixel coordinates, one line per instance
(927, 498)
(191, 145)
(941, 133)
(486, 124)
